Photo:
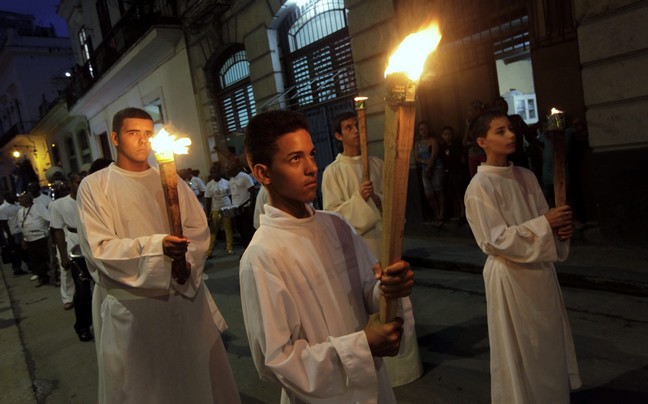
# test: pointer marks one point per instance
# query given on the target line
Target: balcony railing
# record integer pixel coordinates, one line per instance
(133, 25)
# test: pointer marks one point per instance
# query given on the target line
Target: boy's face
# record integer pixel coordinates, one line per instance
(446, 135)
(500, 139)
(132, 143)
(292, 176)
(349, 135)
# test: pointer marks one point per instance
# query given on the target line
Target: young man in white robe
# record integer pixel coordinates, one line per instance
(360, 203)
(532, 353)
(308, 291)
(158, 341)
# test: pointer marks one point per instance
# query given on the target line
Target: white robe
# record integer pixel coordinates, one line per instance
(340, 191)
(304, 318)
(532, 352)
(157, 341)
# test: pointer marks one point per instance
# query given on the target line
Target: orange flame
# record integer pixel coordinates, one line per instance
(410, 56)
(555, 111)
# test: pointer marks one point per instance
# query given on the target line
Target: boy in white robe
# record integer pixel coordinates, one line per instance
(532, 353)
(158, 341)
(307, 287)
(359, 202)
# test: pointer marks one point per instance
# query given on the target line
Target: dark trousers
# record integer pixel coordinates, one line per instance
(82, 295)
(39, 258)
(245, 225)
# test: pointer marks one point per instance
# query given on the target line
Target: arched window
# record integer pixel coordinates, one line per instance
(317, 52)
(84, 146)
(235, 91)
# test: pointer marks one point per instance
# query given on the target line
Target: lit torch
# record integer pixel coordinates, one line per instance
(556, 125)
(362, 128)
(402, 75)
(165, 145)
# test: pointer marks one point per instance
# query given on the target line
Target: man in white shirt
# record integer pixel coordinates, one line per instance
(9, 225)
(216, 198)
(242, 189)
(64, 218)
(33, 219)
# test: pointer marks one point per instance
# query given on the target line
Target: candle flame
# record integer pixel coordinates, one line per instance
(164, 142)
(411, 54)
(555, 111)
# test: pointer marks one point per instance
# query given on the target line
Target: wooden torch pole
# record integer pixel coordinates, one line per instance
(400, 114)
(179, 269)
(556, 125)
(362, 128)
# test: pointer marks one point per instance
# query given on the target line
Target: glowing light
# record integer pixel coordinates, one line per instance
(16, 153)
(410, 56)
(555, 111)
(166, 145)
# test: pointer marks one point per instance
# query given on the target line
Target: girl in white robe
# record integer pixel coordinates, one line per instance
(532, 353)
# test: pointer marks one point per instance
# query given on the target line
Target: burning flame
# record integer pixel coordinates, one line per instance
(555, 111)
(411, 54)
(165, 144)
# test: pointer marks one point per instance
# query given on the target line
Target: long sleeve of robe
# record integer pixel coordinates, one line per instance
(341, 193)
(157, 341)
(307, 294)
(532, 353)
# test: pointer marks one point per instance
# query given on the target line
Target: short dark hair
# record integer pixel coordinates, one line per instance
(341, 117)
(261, 135)
(130, 112)
(480, 125)
(100, 163)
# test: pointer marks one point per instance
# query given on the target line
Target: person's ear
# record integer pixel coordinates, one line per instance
(262, 173)
(338, 136)
(114, 139)
(481, 141)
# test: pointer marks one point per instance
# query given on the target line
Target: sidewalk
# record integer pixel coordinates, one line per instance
(591, 264)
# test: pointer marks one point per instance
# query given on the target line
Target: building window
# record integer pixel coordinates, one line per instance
(71, 152)
(85, 43)
(317, 53)
(235, 92)
(84, 145)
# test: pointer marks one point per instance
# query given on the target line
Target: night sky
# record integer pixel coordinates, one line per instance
(43, 10)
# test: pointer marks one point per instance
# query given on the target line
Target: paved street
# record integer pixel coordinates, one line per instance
(609, 330)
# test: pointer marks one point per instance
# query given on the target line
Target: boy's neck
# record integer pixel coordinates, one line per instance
(497, 161)
(294, 208)
(351, 151)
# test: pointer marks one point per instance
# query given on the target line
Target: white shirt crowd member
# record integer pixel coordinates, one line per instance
(63, 215)
(532, 352)
(304, 323)
(34, 222)
(341, 193)
(240, 187)
(219, 192)
(259, 207)
(9, 212)
(157, 341)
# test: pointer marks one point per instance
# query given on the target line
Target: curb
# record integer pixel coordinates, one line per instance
(632, 288)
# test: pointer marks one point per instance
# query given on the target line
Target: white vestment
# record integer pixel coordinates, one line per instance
(340, 191)
(307, 289)
(157, 341)
(532, 352)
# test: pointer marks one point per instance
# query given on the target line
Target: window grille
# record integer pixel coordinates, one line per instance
(236, 95)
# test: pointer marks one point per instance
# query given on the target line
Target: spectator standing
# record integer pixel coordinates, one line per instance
(9, 224)
(427, 153)
(64, 221)
(34, 223)
(454, 162)
(217, 196)
(244, 197)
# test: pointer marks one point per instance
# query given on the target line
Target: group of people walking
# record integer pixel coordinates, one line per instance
(310, 280)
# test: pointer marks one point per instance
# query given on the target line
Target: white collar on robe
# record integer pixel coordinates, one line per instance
(278, 218)
(349, 160)
(485, 168)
